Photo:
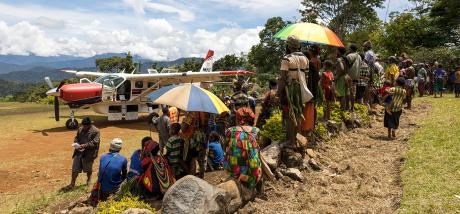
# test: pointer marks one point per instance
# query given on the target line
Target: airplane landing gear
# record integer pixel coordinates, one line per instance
(71, 123)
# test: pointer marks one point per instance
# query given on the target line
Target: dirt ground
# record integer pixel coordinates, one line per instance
(360, 174)
(360, 169)
(36, 152)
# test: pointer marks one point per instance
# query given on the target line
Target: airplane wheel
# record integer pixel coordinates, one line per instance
(71, 124)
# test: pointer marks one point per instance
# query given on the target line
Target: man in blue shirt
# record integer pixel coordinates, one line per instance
(135, 168)
(112, 170)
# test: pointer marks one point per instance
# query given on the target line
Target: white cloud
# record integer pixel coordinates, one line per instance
(140, 6)
(159, 26)
(271, 7)
(24, 38)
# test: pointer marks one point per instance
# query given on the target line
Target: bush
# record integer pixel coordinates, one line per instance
(273, 128)
(126, 202)
(321, 130)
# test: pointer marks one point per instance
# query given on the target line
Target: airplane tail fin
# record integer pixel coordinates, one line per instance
(208, 61)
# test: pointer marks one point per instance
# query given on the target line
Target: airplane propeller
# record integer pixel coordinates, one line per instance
(56, 102)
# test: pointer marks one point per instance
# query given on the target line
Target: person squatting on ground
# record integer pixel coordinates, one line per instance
(157, 175)
(291, 88)
(242, 157)
(354, 60)
(327, 84)
(391, 118)
(135, 168)
(86, 145)
(216, 153)
(269, 103)
(112, 170)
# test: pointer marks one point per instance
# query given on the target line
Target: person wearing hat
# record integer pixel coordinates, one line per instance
(86, 145)
(293, 74)
(113, 170)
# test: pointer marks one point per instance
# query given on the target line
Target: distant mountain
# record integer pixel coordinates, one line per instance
(35, 75)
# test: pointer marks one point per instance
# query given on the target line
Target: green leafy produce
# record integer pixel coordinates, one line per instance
(126, 202)
(273, 128)
(321, 130)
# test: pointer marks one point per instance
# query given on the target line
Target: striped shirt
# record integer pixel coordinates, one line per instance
(398, 95)
(173, 147)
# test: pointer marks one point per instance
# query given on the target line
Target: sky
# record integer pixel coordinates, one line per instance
(153, 29)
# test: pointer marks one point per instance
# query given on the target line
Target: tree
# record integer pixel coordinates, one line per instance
(446, 16)
(344, 16)
(266, 56)
(230, 62)
(191, 65)
(116, 64)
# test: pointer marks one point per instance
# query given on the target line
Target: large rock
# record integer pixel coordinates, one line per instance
(194, 195)
(272, 155)
(236, 201)
(137, 211)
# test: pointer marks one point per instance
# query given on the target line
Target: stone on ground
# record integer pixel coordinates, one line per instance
(137, 211)
(82, 210)
(194, 195)
(272, 155)
(294, 173)
(291, 158)
(314, 164)
(311, 153)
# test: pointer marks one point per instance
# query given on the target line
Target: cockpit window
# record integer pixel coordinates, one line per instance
(110, 80)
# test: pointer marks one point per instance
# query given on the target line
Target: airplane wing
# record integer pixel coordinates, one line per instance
(186, 77)
(81, 74)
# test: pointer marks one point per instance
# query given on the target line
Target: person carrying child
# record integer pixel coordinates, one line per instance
(327, 84)
(391, 118)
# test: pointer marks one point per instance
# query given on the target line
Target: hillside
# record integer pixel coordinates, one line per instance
(8, 88)
(36, 74)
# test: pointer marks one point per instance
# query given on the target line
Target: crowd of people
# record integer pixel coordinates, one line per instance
(203, 141)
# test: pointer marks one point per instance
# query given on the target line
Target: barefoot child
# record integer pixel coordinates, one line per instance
(327, 83)
(391, 119)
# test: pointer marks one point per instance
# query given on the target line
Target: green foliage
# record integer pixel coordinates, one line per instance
(273, 128)
(128, 201)
(363, 113)
(343, 17)
(9, 88)
(116, 64)
(266, 56)
(406, 31)
(448, 57)
(445, 15)
(191, 65)
(321, 130)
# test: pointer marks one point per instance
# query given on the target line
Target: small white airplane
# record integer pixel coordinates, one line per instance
(124, 95)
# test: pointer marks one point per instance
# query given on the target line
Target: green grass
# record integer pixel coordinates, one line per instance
(431, 173)
(45, 200)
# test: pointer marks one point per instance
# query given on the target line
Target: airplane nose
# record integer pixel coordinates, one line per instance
(53, 92)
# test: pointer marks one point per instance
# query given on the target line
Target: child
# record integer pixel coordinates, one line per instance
(327, 84)
(384, 94)
(391, 118)
(173, 150)
(216, 153)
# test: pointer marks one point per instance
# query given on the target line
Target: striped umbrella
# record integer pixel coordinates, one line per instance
(188, 97)
(310, 33)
